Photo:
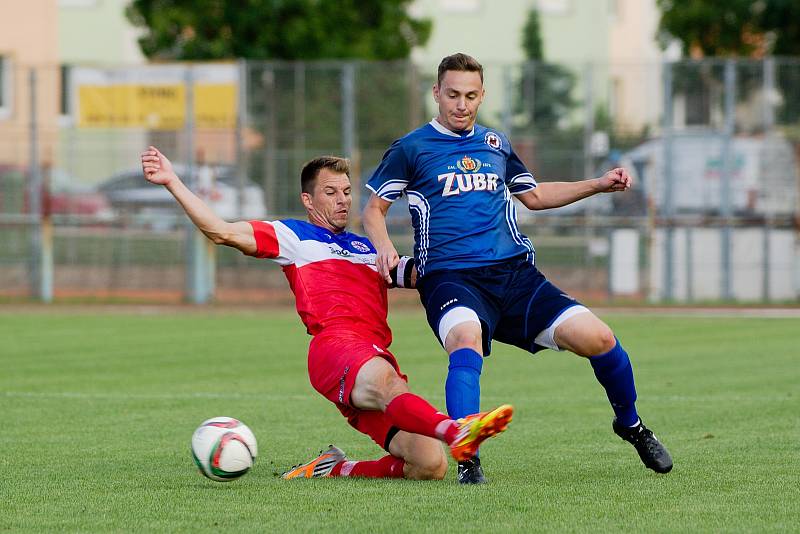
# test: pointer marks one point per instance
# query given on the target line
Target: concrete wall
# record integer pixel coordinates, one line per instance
(764, 264)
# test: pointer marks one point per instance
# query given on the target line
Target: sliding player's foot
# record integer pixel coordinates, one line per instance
(321, 466)
(475, 429)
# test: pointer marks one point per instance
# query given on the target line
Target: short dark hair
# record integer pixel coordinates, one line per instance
(459, 62)
(308, 176)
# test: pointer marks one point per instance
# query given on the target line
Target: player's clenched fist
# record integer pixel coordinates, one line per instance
(615, 180)
(156, 167)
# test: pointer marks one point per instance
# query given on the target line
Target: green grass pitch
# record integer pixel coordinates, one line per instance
(98, 409)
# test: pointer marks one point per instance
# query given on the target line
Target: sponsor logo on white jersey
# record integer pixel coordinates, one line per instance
(339, 251)
(359, 246)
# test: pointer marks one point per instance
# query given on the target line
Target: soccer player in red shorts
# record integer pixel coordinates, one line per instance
(342, 300)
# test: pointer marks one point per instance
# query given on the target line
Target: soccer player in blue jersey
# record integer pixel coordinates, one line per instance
(477, 274)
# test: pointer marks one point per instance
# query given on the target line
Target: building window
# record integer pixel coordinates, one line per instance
(5, 87)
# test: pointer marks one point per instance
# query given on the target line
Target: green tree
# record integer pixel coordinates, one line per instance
(297, 107)
(546, 88)
(277, 29)
(781, 18)
(733, 27)
(544, 102)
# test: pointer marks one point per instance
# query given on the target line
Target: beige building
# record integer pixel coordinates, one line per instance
(28, 38)
(635, 64)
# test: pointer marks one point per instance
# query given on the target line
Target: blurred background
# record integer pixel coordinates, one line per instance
(699, 99)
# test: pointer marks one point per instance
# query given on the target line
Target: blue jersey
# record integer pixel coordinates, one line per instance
(459, 189)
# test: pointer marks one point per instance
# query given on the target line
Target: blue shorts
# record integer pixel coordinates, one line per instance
(512, 299)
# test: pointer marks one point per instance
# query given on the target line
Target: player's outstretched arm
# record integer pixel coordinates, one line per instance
(158, 170)
(556, 194)
(374, 218)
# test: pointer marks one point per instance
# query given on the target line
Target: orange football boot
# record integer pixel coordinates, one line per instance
(319, 467)
(477, 428)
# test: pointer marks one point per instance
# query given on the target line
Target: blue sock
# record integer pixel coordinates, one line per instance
(614, 372)
(463, 386)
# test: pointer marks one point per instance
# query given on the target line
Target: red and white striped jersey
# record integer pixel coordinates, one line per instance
(332, 275)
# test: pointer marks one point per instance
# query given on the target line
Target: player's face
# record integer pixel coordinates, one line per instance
(329, 205)
(459, 94)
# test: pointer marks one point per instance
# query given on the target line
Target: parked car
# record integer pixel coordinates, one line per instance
(62, 196)
(68, 197)
(129, 193)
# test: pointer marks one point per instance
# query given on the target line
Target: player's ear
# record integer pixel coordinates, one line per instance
(305, 198)
(436, 92)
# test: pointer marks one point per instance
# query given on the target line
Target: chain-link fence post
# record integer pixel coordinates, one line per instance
(667, 291)
(200, 253)
(728, 157)
(41, 268)
(350, 134)
(241, 124)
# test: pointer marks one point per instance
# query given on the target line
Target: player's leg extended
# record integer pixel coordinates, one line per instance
(379, 387)
(411, 456)
(462, 308)
(463, 341)
(457, 310)
(586, 335)
(332, 462)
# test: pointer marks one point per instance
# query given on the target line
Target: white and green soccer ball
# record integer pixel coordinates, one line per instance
(224, 448)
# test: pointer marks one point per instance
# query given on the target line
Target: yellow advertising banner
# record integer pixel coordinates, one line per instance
(156, 107)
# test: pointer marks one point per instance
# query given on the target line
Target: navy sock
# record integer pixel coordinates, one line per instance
(463, 386)
(614, 372)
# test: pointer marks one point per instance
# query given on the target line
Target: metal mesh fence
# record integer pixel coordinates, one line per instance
(713, 146)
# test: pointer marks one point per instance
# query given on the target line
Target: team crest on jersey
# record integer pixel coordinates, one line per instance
(493, 140)
(468, 164)
(359, 246)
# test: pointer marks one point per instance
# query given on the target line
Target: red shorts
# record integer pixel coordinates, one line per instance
(334, 360)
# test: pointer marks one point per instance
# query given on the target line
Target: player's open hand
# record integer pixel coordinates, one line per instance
(156, 167)
(615, 180)
(385, 260)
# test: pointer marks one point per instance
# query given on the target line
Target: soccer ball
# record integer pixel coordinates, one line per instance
(224, 448)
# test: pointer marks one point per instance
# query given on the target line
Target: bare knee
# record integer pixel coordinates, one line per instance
(424, 456)
(467, 335)
(429, 467)
(377, 383)
(604, 341)
(585, 335)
